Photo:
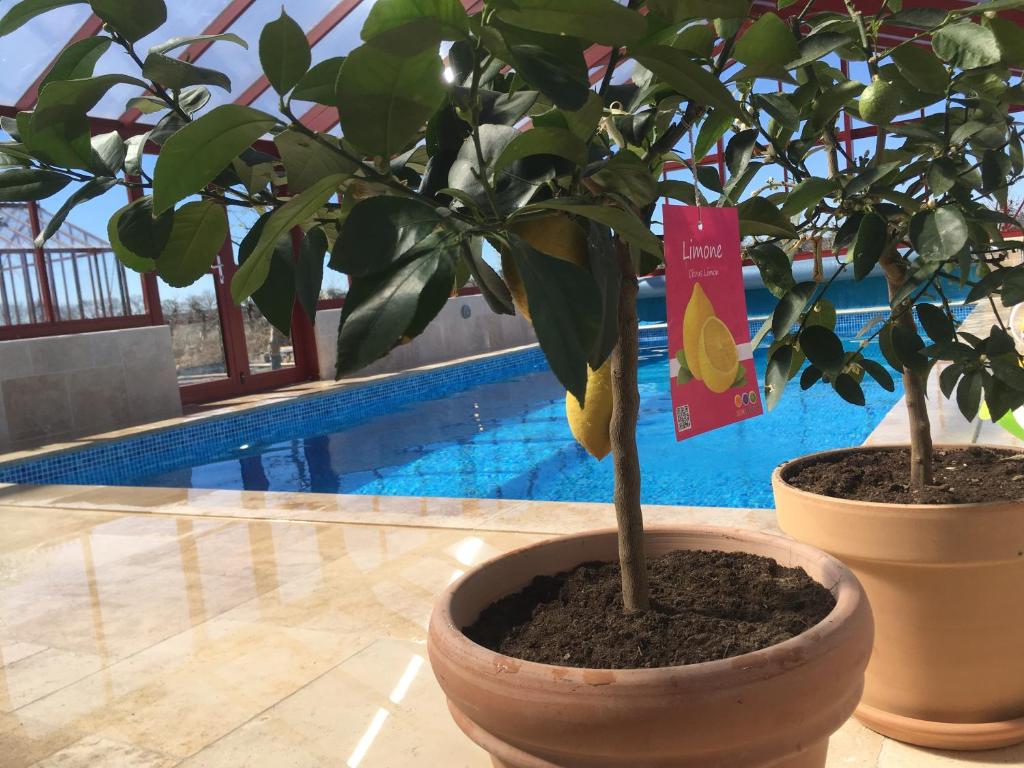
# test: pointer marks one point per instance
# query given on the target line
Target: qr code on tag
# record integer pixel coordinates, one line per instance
(683, 418)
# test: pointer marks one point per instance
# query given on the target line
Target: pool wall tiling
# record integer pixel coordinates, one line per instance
(119, 461)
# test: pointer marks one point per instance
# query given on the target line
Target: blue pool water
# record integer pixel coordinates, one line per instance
(509, 439)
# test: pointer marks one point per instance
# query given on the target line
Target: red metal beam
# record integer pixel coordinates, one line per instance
(218, 26)
(34, 330)
(337, 15)
(89, 28)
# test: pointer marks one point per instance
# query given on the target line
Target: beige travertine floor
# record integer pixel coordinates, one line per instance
(144, 628)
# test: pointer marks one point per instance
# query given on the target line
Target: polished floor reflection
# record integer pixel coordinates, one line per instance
(217, 640)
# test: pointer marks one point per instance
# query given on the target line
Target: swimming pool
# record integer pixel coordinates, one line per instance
(492, 428)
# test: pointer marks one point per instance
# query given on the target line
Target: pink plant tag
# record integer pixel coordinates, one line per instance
(714, 381)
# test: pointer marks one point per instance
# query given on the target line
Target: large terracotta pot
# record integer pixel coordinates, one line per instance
(776, 707)
(946, 585)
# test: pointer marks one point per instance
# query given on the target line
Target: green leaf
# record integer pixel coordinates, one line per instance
(922, 68)
(817, 46)
(58, 130)
(968, 395)
(198, 234)
(30, 184)
(768, 42)
(309, 271)
(195, 155)
(809, 377)
(555, 66)
(949, 377)
(27, 10)
(293, 213)
(177, 74)
(942, 176)
(849, 389)
(682, 191)
(625, 224)
(807, 194)
(940, 234)
(565, 305)
(108, 153)
(759, 216)
(966, 45)
(406, 27)
(380, 232)
(688, 78)
(494, 290)
(180, 42)
(711, 130)
(936, 323)
(384, 100)
(133, 20)
(739, 150)
(780, 107)
(276, 297)
(91, 189)
(140, 233)
(790, 307)
(868, 245)
(828, 104)
(877, 372)
(595, 21)
(126, 256)
(379, 309)
(542, 141)
(307, 160)
(629, 176)
(680, 10)
(317, 85)
(823, 348)
(604, 266)
(774, 266)
(284, 53)
(434, 296)
(777, 375)
(512, 188)
(77, 61)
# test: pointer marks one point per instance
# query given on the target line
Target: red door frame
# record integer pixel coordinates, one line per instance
(239, 380)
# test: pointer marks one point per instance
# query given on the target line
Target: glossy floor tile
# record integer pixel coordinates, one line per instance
(136, 635)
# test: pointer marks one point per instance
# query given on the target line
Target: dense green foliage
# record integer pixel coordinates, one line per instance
(437, 154)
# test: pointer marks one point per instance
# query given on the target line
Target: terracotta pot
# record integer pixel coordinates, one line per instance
(776, 707)
(946, 585)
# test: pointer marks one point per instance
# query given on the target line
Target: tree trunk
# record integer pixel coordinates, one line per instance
(625, 411)
(913, 386)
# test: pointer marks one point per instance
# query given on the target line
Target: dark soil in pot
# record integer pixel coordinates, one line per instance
(971, 475)
(705, 606)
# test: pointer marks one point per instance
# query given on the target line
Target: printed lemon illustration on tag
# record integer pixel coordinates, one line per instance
(719, 359)
(709, 351)
(698, 310)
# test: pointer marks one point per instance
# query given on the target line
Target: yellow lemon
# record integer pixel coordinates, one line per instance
(591, 423)
(719, 359)
(556, 235)
(880, 102)
(698, 310)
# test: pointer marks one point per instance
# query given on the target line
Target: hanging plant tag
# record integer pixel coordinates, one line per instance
(714, 382)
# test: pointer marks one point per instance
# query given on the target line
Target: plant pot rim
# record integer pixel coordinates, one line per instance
(731, 671)
(778, 478)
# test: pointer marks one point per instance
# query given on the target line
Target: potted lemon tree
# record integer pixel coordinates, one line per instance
(505, 139)
(933, 532)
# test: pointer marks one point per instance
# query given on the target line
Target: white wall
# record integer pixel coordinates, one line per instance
(448, 337)
(61, 387)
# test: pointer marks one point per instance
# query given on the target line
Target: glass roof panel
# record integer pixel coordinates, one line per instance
(25, 53)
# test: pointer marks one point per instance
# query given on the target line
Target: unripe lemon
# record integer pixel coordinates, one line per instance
(556, 235)
(698, 310)
(591, 423)
(880, 103)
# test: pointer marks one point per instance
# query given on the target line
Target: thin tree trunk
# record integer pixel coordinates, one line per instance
(625, 411)
(913, 386)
